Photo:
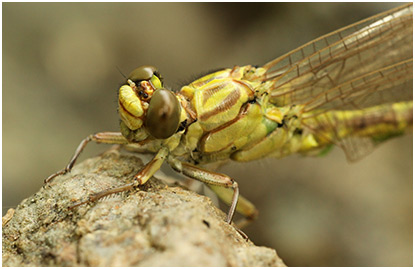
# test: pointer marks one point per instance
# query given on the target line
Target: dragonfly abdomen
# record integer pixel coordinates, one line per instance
(357, 131)
(373, 122)
(383, 121)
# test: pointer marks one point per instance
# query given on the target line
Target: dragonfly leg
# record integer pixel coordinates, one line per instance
(210, 178)
(244, 207)
(104, 137)
(139, 179)
(96, 196)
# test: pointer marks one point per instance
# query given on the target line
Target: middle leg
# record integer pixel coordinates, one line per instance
(210, 178)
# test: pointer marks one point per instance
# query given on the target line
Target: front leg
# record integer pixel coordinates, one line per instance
(139, 179)
(104, 137)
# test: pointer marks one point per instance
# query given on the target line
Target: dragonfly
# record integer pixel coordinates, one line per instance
(351, 88)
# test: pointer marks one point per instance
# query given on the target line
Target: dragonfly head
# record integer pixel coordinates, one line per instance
(146, 108)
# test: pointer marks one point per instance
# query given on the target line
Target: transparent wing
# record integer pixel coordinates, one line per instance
(392, 83)
(365, 64)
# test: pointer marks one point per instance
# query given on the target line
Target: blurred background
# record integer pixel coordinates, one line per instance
(60, 81)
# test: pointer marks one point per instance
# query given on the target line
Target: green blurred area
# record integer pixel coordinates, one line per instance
(60, 81)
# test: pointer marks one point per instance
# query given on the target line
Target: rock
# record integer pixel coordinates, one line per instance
(155, 225)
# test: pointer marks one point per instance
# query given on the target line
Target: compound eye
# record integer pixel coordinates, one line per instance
(145, 72)
(163, 114)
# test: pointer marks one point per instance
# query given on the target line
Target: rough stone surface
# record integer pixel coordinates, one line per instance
(155, 225)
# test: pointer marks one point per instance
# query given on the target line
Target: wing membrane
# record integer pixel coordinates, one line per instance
(314, 70)
(363, 65)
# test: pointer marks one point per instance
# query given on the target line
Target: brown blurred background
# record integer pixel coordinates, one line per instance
(60, 83)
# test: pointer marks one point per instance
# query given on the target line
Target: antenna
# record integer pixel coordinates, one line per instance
(119, 70)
